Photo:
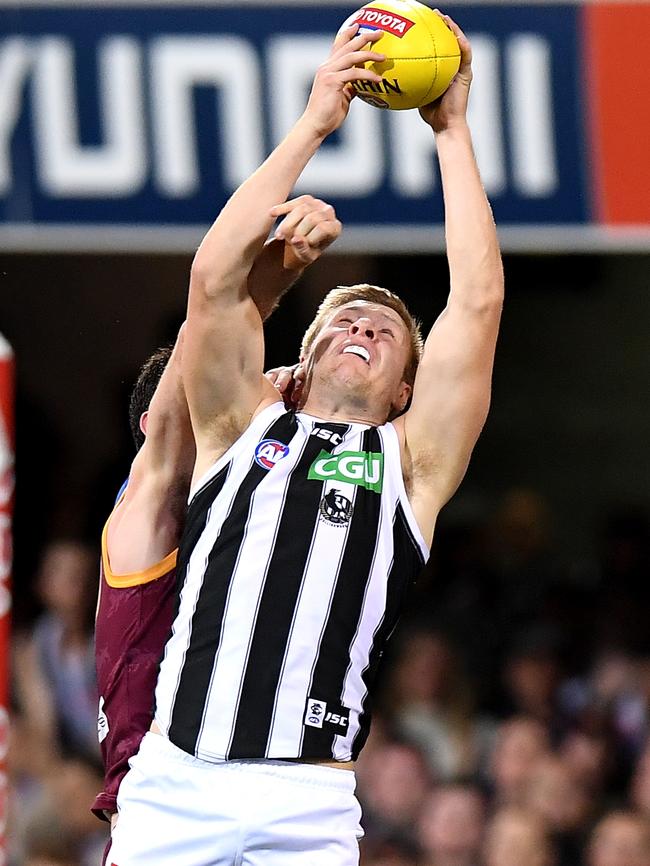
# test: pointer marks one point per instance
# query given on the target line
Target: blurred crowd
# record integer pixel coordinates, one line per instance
(511, 727)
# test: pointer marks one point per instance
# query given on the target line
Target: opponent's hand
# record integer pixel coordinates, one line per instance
(331, 93)
(451, 108)
(308, 228)
(289, 381)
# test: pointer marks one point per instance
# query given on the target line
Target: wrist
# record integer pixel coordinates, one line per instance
(456, 129)
(453, 141)
(291, 262)
(312, 128)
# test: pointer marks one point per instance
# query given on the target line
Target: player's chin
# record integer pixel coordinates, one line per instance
(355, 366)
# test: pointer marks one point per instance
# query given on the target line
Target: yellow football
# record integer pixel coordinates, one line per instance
(422, 54)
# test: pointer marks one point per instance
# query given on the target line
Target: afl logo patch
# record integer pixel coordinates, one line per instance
(269, 452)
(336, 508)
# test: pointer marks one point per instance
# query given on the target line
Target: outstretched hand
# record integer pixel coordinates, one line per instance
(308, 228)
(332, 93)
(451, 108)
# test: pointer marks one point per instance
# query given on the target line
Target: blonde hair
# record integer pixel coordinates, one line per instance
(342, 295)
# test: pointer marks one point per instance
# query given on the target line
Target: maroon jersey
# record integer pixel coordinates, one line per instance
(134, 617)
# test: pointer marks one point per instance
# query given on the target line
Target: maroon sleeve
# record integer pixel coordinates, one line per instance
(132, 626)
(104, 803)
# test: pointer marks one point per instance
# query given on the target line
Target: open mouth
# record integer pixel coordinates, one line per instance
(360, 351)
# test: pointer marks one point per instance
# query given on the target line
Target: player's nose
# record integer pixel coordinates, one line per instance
(362, 327)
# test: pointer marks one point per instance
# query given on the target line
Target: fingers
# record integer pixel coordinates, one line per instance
(353, 38)
(463, 41)
(272, 374)
(306, 250)
(299, 375)
(354, 58)
(353, 51)
(289, 382)
(282, 378)
(319, 237)
(300, 224)
(301, 251)
(356, 74)
(300, 206)
(343, 37)
(310, 226)
(356, 51)
(332, 92)
(295, 401)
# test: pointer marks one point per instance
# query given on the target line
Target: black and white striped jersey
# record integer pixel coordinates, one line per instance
(298, 548)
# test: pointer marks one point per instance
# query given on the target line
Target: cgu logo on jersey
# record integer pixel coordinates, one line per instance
(269, 452)
(355, 467)
(380, 19)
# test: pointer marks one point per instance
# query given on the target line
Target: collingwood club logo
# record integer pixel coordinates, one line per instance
(336, 508)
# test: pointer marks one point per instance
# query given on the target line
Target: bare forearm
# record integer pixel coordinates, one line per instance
(472, 244)
(225, 258)
(169, 445)
(274, 271)
(232, 244)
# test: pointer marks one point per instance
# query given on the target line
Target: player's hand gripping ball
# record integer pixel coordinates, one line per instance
(422, 54)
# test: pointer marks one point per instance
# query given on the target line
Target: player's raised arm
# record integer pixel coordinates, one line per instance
(146, 523)
(224, 347)
(452, 387)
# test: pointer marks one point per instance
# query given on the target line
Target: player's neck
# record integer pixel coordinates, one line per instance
(336, 407)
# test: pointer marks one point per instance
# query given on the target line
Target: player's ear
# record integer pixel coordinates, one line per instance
(143, 422)
(403, 397)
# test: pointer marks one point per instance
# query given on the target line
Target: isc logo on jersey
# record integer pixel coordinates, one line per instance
(269, 452)
(364, 468)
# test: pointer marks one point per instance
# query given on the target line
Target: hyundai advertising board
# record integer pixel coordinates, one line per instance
(125, 126)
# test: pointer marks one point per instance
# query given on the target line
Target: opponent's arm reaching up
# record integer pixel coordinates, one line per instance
(223, 358)
(451, 394)
(147, 522)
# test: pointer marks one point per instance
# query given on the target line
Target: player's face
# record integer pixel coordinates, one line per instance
(365, 344)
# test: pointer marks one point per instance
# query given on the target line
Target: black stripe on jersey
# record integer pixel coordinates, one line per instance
(407, 559)
(207, 621)
(278, 603)
(194, 525)
(333, 657)
(195, 521)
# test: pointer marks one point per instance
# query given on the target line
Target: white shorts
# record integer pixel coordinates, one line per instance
(177, 810)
